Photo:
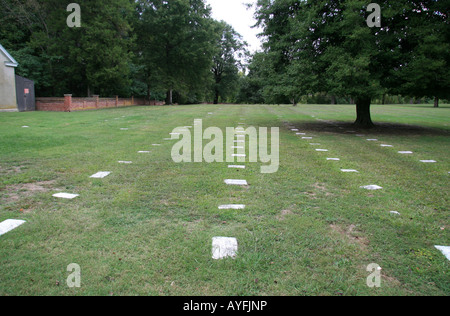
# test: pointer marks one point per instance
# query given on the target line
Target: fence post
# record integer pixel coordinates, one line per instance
(132, 100)
(117, 101)
(67, 102)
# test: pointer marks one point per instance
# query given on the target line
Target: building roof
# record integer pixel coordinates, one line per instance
(11, 62)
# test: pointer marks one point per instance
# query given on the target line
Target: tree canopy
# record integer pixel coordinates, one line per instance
(328, 46)
(175, 50)
(123, 47)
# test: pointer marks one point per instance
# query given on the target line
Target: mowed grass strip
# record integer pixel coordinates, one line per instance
(146, 229)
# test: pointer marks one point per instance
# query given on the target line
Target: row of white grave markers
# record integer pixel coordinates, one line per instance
(297, 132)
(101, 174)
(98, 175)
(11, 224)
(224, 247)
(403, 152)
(444, 249)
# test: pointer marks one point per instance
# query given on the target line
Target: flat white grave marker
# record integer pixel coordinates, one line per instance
(237, 166)
(384, 145)
(125, 162)
(101, 174)
(9, 225)
(235, 182)
(66, 195)
(223, 247)
(333, 159)
(306, 137)
(321, 149)
(232, 207)
(124, 129)
(372, 139)
(300, 133)
(143, 152)
(445, 251)
(294, 129)
(428, 161)
(349, 170)
(405, 152)
(371, 187)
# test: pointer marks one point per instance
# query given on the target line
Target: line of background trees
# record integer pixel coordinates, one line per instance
(314, 51)
(169, 50)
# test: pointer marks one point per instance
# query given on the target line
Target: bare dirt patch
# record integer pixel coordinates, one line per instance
(10, 169)
(13, 193)
(351, 234)
(282, 216)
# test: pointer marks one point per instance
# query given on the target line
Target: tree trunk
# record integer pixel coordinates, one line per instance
(169, 97)
(333, 99)
(363, 119)
(216, 96)
(436, 102)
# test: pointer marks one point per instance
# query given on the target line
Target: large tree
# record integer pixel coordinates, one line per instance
(174, 40)
(328, 46)
(230, 51)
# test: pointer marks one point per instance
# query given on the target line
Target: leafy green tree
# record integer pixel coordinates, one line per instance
(175, 44)
(327, 46)
(230, 50)
(90, 59)
(416, 46)
(253, 84)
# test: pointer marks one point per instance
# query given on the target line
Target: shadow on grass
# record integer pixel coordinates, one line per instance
(381, 128)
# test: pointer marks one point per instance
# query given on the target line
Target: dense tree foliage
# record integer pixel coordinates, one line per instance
(86, 60)
(314, 50)
(123, 47)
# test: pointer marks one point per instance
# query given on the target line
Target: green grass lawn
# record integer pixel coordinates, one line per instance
(146, 229)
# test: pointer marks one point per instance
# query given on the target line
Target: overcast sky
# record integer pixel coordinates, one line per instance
(235, 13)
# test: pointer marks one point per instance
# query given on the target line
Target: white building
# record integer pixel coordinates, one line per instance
(8, 99)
